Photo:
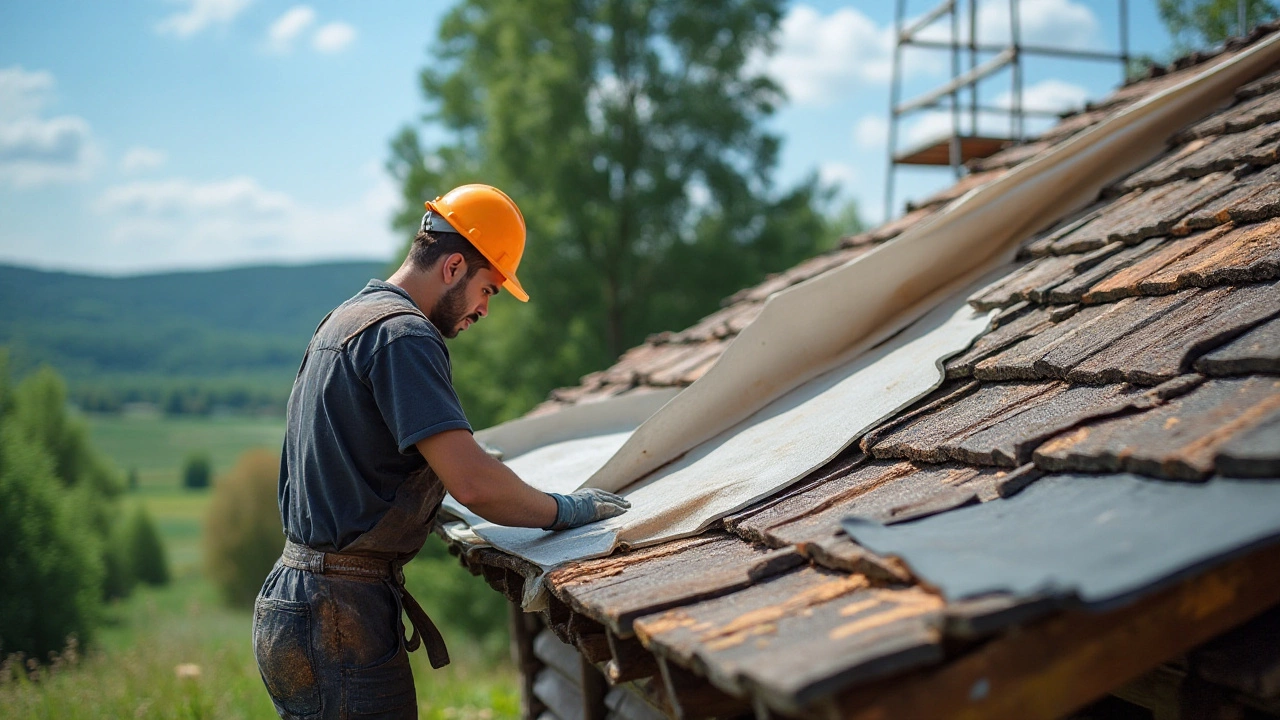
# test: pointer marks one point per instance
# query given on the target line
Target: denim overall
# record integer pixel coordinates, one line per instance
(327, 627)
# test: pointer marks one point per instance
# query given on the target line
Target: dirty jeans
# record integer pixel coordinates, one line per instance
(332, 646)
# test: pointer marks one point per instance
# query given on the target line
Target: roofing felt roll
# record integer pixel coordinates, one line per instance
(1104, 539)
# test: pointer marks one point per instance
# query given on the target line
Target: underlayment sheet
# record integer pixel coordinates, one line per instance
(770, 450)
(559, 467)
(621, 413)
(557, 452)
(1104, 539)
(809, 328)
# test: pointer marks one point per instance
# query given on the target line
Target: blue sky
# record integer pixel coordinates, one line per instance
(145, 135)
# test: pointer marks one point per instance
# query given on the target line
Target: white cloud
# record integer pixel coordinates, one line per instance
(36, 150)
(1046, 95)
(240, 197)
(199, 15)
(23, 94)
(1053, 23)
(819, 56)
(842, 174)
(333, 37)
(871, 132)
(926, 127)
(289, 26)
(1056, 23)
(184, 223)
(141, 159)
(1049, 95)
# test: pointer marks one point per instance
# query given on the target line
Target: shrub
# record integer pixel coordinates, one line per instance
(49, 564)
(145, 551)
(196, 471)
(118, 579)
(242, 536)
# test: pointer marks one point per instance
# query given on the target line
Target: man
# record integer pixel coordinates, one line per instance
(375, 438)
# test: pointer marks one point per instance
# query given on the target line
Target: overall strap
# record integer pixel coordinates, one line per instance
(367, 315)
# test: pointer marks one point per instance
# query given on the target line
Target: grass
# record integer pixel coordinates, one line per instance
(132, 669)
(175, 652)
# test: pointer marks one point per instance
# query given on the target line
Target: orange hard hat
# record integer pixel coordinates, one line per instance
(490, 220)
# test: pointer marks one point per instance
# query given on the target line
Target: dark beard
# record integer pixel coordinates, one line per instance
(450, 311)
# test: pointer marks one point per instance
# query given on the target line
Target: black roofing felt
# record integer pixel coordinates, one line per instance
(1103, 539)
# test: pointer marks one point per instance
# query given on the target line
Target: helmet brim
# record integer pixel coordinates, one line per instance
(513, 286)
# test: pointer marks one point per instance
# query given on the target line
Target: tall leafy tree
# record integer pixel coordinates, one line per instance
(632, 135)
(1203, 23)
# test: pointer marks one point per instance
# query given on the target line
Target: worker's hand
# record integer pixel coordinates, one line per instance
(585, 506)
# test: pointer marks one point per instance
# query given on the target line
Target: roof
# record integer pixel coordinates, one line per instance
(1137, 339)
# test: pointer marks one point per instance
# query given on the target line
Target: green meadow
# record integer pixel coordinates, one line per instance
(176, 651)
(154, 446)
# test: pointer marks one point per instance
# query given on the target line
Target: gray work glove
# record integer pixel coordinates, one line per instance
(585, 506)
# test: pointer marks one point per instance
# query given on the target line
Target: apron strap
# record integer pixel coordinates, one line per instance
(425, 632)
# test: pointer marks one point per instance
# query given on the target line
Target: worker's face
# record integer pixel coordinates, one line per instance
(463, 304)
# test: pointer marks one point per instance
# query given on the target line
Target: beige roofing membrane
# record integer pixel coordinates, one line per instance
(754, 423)
(783, 441)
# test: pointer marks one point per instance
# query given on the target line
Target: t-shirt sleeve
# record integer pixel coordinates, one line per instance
(413, 388)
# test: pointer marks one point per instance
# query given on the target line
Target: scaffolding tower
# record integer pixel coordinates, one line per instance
(985, 59)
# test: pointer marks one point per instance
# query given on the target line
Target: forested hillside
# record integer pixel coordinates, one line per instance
(190, 342)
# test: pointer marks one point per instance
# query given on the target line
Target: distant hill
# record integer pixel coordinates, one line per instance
(186, 340)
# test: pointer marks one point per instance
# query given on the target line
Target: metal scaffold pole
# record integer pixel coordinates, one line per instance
(966, 141)
(894, 92)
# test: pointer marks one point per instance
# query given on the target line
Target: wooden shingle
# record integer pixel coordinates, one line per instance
(1178, 441)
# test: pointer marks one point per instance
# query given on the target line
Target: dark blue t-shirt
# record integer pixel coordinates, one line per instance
(367, 391)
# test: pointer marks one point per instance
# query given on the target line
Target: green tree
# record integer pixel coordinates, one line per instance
(243, 537)
(145, 551)
(1204, 23)
(846, 222)
(632, 136)
(50, 563)
(39, 414)
(40, 411)
(118, 579)
(197, 471)
(6, 391)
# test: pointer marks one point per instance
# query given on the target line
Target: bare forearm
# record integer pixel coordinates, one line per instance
(484, 485)
(505, 499)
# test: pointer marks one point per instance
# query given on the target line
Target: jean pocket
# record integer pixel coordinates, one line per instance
(385, 690)
(282, 646)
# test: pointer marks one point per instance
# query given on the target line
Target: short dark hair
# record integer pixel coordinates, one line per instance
(428, 247)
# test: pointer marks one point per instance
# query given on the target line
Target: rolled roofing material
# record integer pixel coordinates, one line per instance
(1103, 539)
(808, 329)
(783, 441)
